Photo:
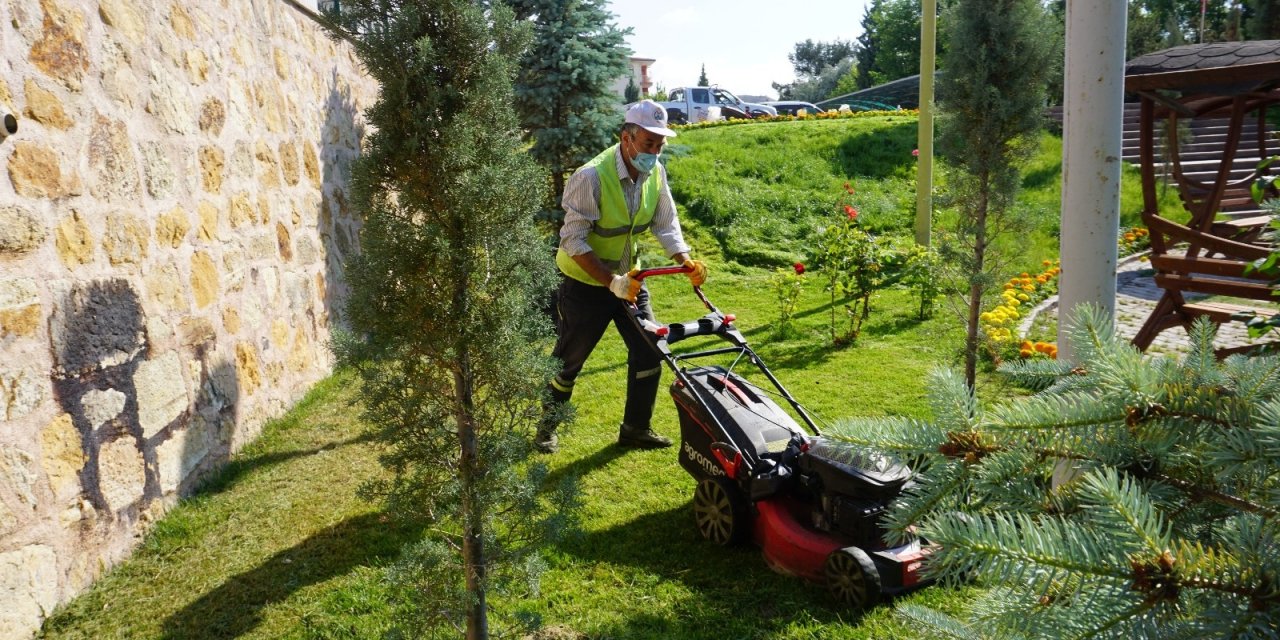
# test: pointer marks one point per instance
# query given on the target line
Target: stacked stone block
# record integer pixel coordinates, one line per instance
(173, 225)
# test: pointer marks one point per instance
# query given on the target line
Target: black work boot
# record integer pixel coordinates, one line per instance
(554, 411)
(645, 438)
(545, 441)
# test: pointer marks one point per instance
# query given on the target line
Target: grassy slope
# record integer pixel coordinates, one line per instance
(757, 192)
(280, 545)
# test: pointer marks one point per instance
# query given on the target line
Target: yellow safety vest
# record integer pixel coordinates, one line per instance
(614, 231)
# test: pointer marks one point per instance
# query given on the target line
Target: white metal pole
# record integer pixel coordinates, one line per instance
(1093, 123)
(924, 136)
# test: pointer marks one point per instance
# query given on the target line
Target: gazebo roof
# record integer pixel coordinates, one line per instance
(1219, 68)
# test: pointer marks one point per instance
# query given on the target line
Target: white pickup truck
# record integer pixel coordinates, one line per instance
(695, 104)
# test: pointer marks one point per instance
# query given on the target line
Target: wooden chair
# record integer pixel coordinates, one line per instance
(1229, 85)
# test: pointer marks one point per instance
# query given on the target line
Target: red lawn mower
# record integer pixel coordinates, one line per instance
(811, 504)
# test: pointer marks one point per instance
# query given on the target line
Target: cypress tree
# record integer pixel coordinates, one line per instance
(1132, 497)
(564, 90)
(445, 331)
(702, 77)
(632, 93)
(1000, 57)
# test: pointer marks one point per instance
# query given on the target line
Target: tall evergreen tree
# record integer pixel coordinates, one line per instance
(702, 77)
(1000, 58)
(1262, 21)
(632, 92)
(1134, 497)
(889, 48)
(446, 334)
(564, 90)
(868, 43)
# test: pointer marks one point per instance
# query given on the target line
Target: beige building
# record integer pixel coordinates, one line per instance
(640, 73)
(174, 222)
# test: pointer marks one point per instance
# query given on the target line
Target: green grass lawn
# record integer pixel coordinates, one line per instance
(280, 544)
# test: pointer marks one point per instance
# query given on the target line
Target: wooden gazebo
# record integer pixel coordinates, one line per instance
(1204, 121)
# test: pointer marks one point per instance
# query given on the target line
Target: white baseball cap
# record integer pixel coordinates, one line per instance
(650, 116)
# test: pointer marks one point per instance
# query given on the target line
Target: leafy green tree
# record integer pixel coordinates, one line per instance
(702, 77)
(812, 58)
(845, 84)
(564, 90)
(889, 47)
(632, 92)
(1133, 497)
(1000, 57)
(660, 93)
(445, 330)
(823, 85)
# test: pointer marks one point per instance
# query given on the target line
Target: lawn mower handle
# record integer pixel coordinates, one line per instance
(640, 274)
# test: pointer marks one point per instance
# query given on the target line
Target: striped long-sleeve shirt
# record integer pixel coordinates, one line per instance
(581, 203)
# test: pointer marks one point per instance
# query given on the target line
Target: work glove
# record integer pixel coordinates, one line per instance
(625, 287)
(698, 275)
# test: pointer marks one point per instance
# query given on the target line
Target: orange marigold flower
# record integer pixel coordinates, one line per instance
(1047, 263)
(1026, 353)
(1008, 285)
(1026, 344)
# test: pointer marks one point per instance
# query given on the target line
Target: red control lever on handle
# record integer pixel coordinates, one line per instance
(660, 271)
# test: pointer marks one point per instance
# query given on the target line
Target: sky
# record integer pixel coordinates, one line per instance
(744, 43)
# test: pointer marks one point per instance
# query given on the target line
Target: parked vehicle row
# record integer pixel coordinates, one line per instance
(696, 104)
(687, 105)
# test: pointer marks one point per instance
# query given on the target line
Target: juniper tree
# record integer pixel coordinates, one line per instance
(444, 328)
(563, 91)
(1164, 524)
(999, 58)
(632, 92)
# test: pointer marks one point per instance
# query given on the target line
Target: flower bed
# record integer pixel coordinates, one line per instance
(1019, 294)
(825, 115)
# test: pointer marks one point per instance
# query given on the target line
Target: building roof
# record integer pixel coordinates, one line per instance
(1222, 68)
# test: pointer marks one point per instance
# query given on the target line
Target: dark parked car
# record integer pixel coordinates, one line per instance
(794, 107)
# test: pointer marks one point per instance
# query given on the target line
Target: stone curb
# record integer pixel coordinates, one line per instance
(1051, 303)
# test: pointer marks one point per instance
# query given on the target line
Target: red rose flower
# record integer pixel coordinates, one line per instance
(799, 267)
(851, 212)
(915, 152)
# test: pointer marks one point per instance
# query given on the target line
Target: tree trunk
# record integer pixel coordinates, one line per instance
(975, 282)
(473, 558)
(469, 472)
(557, 188)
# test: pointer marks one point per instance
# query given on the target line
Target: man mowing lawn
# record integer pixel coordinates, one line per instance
(619, 193)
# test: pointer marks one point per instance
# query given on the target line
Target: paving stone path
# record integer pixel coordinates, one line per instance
(1136, 296)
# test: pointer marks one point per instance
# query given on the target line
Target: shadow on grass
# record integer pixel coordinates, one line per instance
(729, 585)
(878, 153)
(583, 466)
(1042, 177)
(238, 468)
(235, 607)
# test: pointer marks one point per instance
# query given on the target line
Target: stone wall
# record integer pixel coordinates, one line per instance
(172, 229)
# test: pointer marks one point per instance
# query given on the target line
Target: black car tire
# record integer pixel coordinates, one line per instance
(721, 512)
(852, 578)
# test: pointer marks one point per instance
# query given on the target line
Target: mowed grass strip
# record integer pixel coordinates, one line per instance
(249, 554)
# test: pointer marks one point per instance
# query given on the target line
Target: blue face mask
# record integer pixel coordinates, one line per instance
(645, 162)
